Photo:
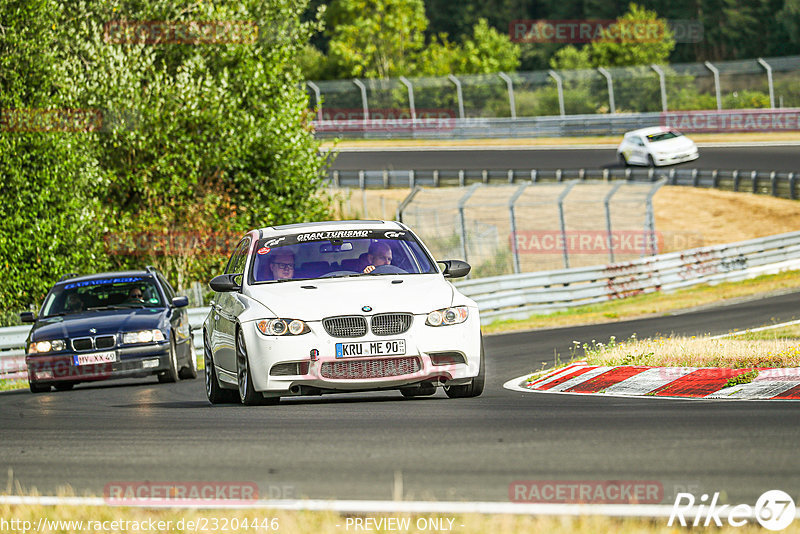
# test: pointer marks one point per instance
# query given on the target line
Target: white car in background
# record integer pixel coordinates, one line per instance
(655, 147)
(333, 307)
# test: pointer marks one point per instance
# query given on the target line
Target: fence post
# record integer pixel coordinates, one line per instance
(534, 175)
(412, 179)
(791, 186)
(650, 222)
(511, 176)
(561, 221)
(769, 81)
(735, 181)
(406, 201)
(511, 103)
(461, 177)
(336, 178)
(364, 103)
(461, 202)
(560, 86)
(411, 106)
(459, 94)
(663, 85)
(607, 205)
(611, 107)
(512, 215)
(773, 184)
(715, 72)
(361, 180)
(754, 180)
(314, 87)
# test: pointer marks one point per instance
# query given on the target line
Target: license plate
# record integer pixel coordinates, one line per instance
(389, 347)
(95, 357)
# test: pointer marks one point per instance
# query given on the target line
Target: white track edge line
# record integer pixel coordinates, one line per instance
(420, 507)
(759, 329)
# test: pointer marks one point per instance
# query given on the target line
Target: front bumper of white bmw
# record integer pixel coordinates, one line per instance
(317, 361)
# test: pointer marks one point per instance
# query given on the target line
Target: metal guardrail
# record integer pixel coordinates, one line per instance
(521, 295)
(781, 184)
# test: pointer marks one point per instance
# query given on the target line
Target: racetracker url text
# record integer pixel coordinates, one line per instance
(199, 524)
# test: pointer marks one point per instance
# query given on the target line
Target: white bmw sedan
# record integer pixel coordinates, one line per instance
(656, 146)
(333, 307)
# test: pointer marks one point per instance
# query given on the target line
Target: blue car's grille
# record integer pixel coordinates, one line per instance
(96, 343)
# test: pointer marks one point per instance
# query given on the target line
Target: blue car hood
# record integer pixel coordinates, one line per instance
(104, 321)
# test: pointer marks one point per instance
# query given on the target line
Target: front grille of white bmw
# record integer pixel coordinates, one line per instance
(376, 368)
(390, 324)
(345, 326)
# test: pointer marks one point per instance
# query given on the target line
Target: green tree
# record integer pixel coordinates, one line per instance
(49, 177)
(375, 38)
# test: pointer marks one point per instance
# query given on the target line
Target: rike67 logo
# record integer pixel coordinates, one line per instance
(774, 510)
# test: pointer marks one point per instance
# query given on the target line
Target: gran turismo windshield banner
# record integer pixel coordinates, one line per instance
(334, 235)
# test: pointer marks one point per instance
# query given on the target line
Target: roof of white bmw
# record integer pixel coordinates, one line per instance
(329, 226)
(648, 131)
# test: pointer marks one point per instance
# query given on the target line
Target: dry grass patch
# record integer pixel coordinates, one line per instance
(323, 522)
(734, 353)
(785, 332)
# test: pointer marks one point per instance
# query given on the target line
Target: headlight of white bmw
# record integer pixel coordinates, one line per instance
(143, 336)
(54, 345)
(447, 316)
(282, 327)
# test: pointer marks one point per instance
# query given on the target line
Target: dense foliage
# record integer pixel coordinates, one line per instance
(189, 141)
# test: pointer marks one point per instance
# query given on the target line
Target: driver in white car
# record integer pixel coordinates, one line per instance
(378, 254)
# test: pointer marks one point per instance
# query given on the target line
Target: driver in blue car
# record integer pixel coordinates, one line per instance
(378, 254)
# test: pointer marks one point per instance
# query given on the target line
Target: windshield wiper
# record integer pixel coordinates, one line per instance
(117, 307)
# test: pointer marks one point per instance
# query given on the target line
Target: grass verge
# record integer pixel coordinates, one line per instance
(733, 353)
(786, 332)
(653, 304)
(753, 137)
(74, 519)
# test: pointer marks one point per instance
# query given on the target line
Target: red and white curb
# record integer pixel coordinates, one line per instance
(681, 382)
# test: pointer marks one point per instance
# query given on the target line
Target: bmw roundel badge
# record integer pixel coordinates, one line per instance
(366, 308)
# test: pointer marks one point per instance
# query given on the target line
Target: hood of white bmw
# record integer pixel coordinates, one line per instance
(313, 300)
(676, 144)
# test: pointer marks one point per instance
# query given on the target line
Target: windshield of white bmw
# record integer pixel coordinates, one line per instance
(663, 136)
(107, 293)
(338, 255)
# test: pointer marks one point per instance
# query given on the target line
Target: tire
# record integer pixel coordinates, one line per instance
(425, 390)
(190, 371)
(64, 386)
(215, 393)
(623, 160)
(247, 395)
(36, 387)
(650, 161)
(473, 389)
(171, 374)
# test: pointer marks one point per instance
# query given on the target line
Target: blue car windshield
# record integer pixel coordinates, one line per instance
(102, 293)
(310, 256)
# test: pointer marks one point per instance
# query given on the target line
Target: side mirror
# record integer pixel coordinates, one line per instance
(455, 268)
(27, 317)
(225, 283)
(180, 302)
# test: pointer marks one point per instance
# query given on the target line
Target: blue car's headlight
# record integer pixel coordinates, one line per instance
(143, 336)
(53, 345)
(447, 316)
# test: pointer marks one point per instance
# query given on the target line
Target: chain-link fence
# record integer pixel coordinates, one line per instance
(504, 229)
(389, 103)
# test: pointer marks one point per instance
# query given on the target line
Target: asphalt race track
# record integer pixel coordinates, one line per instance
(470, 449)
(766, 158)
